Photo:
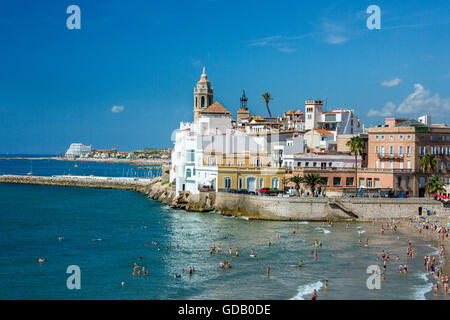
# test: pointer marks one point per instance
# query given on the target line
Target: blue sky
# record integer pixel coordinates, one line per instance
(59, 86)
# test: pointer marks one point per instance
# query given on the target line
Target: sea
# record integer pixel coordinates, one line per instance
(105, 233)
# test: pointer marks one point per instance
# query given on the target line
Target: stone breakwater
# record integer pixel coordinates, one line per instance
(74, 181)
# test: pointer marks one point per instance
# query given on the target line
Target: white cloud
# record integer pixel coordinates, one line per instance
(387, 111)
(417, 103)
(117, 109)
(421, 101)
(334, 33)
(391, 83)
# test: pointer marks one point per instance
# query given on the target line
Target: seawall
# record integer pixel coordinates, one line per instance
(319, 209)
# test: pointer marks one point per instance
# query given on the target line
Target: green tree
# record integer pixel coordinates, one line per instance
(428, 163)
(356, 146)
(267, 97)
(435, 185)
(297, 180)
(312, 180)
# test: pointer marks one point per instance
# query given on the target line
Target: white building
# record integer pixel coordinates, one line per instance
(338, 121)
(77, 149)
(319, 160)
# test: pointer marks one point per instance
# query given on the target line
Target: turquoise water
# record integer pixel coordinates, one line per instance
(34, 217)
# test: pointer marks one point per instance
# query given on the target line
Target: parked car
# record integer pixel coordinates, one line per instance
(401, 195)
(264, 191)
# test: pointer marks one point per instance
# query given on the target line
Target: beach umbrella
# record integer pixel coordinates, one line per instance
(422, 218)
(436, 220)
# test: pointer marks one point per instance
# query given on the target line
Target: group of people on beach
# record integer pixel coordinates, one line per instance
(438, 232)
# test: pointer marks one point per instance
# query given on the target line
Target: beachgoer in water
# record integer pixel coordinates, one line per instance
(268, 270)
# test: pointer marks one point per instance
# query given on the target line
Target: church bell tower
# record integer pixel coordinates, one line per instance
(203, 95)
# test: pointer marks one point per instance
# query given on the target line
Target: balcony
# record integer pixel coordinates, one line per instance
(392, 156)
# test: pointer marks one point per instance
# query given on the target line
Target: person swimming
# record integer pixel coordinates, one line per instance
(300, 264)
(252, 254)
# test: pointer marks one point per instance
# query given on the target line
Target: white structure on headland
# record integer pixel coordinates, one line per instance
(77, 149)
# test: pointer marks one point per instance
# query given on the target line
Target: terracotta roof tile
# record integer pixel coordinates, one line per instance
(216, 107)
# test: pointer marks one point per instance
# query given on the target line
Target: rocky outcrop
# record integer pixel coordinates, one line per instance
(159, 189)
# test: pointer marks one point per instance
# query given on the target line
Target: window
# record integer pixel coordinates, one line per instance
(382, 164)
(361, 182)
(391, 150)
(377, 182)
(299, 164)
(431, 138)
(408, 137)
(336, 181)
(227, 182)
(391, 137)
(441, 150)
(422, 182)
(275, 183)
(314, 164)
(258, 162)
(377, 164)
(399, 181)
(400, 137)
(423, 150)
(240, 183)
(188, 173)
(306, 164)
(408, 150)
(190, 155)
(349, 181)
(325, 181)
(261, 183)
(408, 164)
(369, 182)
(212, 161)
(400, 150)
(382, 150)
(377, 149)
(406, 181)
(391, 164)
(401, 165)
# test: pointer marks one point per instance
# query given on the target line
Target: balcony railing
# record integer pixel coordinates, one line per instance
(391, 155)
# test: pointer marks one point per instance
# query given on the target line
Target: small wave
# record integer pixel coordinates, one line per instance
(303, 222)
(421, 290)
(424, 276)
(306, 290)
(323, 230)
(243, 218)
(361, 231)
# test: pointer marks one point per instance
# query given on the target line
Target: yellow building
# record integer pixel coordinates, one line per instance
(251, 178)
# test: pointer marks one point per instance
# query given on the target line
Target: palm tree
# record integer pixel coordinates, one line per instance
(267, 97)
(356, 145)
(297, 180)
(312, 180)
(435, 185)
(428, 162)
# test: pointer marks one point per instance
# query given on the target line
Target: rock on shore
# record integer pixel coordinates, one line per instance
(161, 190)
